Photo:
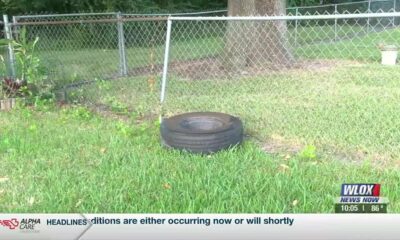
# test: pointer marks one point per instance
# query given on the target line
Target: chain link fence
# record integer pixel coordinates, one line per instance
(89, 57)
(291, 89)
(294, 80)
(371, 6)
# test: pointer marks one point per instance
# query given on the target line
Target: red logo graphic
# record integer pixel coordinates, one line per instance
(11, 224)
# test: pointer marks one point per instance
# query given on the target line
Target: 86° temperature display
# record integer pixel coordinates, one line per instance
(360, 208)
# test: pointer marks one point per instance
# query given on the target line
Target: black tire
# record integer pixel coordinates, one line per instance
(201, 132)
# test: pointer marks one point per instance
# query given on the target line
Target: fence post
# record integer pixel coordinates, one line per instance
(11, 56)
(121, 46)
(368, 11)
(166, 59)
(394, 10)
(295, 27)
(15, 28)
(336, 23)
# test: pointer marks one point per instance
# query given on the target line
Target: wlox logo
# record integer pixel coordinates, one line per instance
(361, 190)
(360, 193)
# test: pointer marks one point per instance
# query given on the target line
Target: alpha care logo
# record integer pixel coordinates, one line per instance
(24, 224)
(12, 223)
(29, 224)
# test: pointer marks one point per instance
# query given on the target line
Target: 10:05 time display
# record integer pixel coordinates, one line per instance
(360, 208)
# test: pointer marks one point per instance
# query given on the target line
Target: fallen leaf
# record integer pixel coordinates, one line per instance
(4, 179)
(31, 200)
(295, 202)
(167, 186)
(78, 203)
(283, 167)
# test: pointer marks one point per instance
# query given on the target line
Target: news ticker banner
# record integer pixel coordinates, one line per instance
(199, 226)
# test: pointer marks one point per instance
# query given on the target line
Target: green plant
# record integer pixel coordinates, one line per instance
(309, 152)
(3, 67)
(28, 63)
(81, 113)
(116, 105)
(30, 78)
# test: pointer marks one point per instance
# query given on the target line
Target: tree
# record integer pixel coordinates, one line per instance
(257, 42)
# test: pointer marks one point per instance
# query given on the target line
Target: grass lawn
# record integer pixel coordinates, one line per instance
(348, 110)
(70, 160)
(361, 48)
(311, 42)
(74, 65)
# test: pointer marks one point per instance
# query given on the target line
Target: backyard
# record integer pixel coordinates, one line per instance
(71, 159)
(330, 118)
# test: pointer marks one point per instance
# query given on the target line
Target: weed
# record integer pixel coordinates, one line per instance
(309, 152)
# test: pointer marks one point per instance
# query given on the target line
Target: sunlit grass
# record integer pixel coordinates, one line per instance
(71, 160)
(350, 112)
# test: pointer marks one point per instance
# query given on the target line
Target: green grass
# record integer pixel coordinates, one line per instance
(310, 42)
(75, 65)
(363, 48)
(310, 35)
(71, 160)
(349, 112)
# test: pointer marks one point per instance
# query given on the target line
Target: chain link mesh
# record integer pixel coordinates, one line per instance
(111, 63)
(294, 83)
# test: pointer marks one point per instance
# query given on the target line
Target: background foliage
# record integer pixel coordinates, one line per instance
(14, 7)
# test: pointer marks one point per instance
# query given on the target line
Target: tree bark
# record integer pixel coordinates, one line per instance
(250, 43)
(237, 36)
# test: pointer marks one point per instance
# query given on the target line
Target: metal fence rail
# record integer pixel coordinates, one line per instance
(370, 6)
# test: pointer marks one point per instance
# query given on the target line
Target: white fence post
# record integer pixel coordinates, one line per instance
(121, 46)
(336, 23)
(394, 10)
(11, 57)
(295, 27)
(368, 11)
(166, 59)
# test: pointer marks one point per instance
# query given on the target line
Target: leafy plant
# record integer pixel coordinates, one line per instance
(309, 152)
(116, 105)
(30, 79)
(6, 86)
(28, 63)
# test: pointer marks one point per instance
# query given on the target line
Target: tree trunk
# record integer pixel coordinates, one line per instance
(237, 36)
(256, 43)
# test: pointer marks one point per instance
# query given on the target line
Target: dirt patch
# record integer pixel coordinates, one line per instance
(360, 156)
(211, 68)
(323, 65)
(277, 144)
(107, 112)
